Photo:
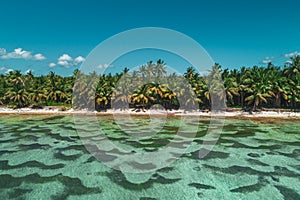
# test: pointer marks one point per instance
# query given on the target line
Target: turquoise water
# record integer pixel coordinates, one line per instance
(43, 157)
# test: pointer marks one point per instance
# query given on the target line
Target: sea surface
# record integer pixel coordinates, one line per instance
(67, 157)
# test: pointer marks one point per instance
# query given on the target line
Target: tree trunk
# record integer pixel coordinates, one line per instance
(278, 100)
(242, 99)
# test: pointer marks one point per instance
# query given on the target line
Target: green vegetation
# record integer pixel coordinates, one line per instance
(247, 88)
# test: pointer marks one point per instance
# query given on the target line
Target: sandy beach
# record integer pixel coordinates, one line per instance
(227, 114)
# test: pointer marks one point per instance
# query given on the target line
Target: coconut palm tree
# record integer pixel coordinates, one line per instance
(231, 86)
(292, 72)
(260, 94)
(18, 97)
(140, 97)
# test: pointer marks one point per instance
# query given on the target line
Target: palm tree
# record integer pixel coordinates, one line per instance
(121, 91)
(18, 97)
(292, 71)
(278, 82)
(293, 68)
(231, 86)
(259, 96)
(55, 91)
(16, 92)
(190, 73)
(140, 98)
(37, 96)
(216, 88)
(160, 68)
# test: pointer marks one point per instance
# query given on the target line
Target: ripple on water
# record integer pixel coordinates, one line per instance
(43, 157)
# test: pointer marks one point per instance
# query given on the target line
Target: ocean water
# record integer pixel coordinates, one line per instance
(60, 157)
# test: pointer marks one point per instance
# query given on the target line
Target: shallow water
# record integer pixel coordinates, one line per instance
(43, 157)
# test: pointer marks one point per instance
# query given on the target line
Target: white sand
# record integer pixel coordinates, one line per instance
(234, 114)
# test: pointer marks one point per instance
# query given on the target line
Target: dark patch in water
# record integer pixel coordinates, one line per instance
(200, 194)
(201, 133)
(235, 170)
(10, 140)
(52, 118)
(8, 181)
(142, 166)
(5, 166)
(157, 142)
(150, 150)
(243, 133)
(197, 168)
(295, 154)
(267, 147)
(288, 193)
(201, 186)
(283, 171)
(91, 159)
(248, 188)
(103, 156)
(253, 155)
(18, 192)
(61, 138)
(72, 186)
(171, 128)
(296, 167)
(30, 137)
(118, 178)
(74, 147)
(25, 147)
(61, 156)
(257, 162)
(275, 178)
(211, 155)
(166, 169)
(118, 152)
(68, 128)
(7, 151)
(278, 171)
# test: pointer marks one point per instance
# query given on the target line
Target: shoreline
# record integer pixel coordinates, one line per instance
(175, 113)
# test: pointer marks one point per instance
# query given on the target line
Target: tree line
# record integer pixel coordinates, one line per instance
(247, 88)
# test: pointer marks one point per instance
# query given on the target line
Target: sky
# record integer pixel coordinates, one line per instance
(58, 36)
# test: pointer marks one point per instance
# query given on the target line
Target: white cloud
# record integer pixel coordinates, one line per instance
(99, 66)
(292, 54)
(267, 60)
(78, 60)
(64, 63)
(2, 51)
(52, 65)
(19, 53)
(39, 57)
(103, 66)
(67, 61)
(65, 57)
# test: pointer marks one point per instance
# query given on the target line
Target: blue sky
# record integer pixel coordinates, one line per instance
(34, 33)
